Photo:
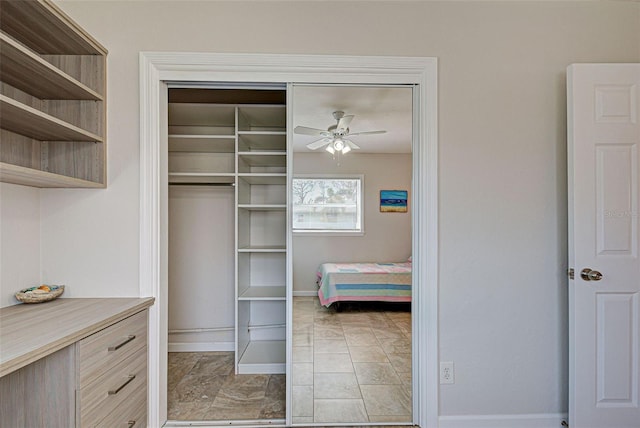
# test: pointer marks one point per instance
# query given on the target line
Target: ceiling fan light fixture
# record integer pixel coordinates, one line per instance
(335, 138)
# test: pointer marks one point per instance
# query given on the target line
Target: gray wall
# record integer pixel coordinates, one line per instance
(502, 140)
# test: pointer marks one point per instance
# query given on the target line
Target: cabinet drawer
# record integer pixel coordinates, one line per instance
(131, 414)
(122, 386)
(100, 352)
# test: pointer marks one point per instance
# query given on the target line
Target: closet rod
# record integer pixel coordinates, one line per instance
(203, 184)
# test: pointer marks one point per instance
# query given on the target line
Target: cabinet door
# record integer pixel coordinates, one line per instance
(41, 394)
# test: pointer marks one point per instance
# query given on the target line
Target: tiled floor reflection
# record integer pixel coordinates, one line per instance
(202, 386)
(351, 366)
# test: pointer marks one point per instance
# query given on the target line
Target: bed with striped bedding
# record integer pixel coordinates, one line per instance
(383, 282)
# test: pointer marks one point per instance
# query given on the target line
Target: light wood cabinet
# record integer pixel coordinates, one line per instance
(52, 98)
(41, 394)
(112, 371)
(92, 373)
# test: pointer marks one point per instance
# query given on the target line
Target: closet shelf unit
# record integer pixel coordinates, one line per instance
(261, 238)
(52, 98)
(202, 143)
(245, 145)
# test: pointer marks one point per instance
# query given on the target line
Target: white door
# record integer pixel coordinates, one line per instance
(604, 236)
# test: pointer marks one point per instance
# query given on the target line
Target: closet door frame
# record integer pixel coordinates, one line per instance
(158, 68)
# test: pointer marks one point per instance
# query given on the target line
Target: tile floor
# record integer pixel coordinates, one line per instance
(202, 386)
(352, 366)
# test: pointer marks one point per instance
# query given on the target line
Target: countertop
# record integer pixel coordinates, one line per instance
(29, 332)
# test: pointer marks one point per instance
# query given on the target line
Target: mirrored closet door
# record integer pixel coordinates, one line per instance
(351, 255)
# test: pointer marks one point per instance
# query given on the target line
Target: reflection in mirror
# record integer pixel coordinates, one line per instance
(351, 255)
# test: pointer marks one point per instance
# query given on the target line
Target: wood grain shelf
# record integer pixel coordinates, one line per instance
(52, 99)
(32, 123)
(44, 28)
(23, 69)
(35, 178)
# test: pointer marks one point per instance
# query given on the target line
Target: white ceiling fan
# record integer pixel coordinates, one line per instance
(334, 137)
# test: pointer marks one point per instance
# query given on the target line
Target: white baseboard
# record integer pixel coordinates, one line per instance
(201, 347)
(304, 293)
(536, 420)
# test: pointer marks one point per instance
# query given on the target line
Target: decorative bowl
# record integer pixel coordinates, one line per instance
(44, 293)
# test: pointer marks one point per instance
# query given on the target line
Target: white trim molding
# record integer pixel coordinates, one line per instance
(535, 420)
(159, 68)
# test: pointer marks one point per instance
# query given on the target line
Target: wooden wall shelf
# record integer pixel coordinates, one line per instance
(23, 69)
(32, 123)
(52, 98)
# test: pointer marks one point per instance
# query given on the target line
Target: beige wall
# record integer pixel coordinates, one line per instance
(19, 240)
(387, 236)
(503, 299)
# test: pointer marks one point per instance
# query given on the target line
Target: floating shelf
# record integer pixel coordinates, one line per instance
(43, 27)
(32, 177)
(28, 72)
(32, 123)
(53, 100)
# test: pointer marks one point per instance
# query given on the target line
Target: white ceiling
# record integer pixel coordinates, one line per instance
(375, 108)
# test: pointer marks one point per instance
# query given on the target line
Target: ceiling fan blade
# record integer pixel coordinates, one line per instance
(344, 122)
(305, 130)
(351, 144)
(318, 143)
(367, 133)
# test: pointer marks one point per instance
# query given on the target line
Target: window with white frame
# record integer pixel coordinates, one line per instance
(327, 204)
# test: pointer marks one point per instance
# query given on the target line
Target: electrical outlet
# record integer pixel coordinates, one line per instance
(447, 375)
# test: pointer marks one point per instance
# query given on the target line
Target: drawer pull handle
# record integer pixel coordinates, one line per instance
(115, 391)
(131, 423)
(121, 344)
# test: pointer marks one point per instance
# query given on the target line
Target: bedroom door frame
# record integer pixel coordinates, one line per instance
(158, 68)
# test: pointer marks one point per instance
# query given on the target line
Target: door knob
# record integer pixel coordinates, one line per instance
(590, 275)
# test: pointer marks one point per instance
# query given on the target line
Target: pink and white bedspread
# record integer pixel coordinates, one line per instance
(383, 282)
